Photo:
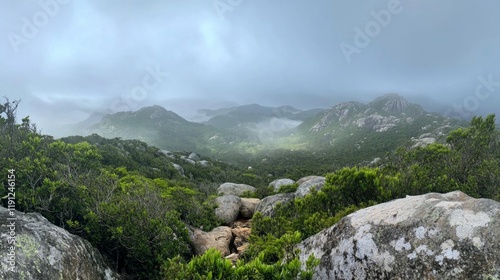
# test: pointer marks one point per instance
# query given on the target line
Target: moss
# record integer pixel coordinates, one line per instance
(30, 249)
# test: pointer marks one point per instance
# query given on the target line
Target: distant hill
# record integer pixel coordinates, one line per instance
(350, 132)
(162, 128)
(248, 115)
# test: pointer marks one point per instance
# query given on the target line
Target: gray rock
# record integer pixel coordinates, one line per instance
(179, 168)
(228, 208)
(248, 206)
(422, 142)
(190, 161)
(267, 205)
(276, 184)
(235, 189)
(307, 178)
(219, 238)
(432, 236)
(45, 251)
(204, 163)
(306, 187)
(194, 156)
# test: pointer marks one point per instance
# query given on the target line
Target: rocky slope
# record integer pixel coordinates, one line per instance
(432, 236)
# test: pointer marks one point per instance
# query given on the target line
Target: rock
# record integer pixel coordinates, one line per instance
(194, 157)
(229, 208)
(377, 122)
(422, 142)
(235, 189)
(190, 161)
(165, 152)
(248, 206)
(340, 113)
(302, 180)
(219, 238)
(45, 251)
(179, 168)
(204, 163)
(306, 187)
(276, 184)
(233, 258)
(431, 236)
(266, 205)
(241, 236)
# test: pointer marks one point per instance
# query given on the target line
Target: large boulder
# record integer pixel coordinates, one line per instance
(194, 157)
(307, 178)
(305, 188)
(219, 238)
(228, 208)
(178, 168)
(432, 236)
(248, 206)
(267, 205)
(44, 251)
(235, 189)
(276, 184)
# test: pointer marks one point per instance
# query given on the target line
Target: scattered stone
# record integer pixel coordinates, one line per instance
(248, 206)
(204, 163)
(179, 168)
(267, 205)
(276, 184)
(306, 187)
(228, 208)
(235, 189)
(219, 238)
(194, 157)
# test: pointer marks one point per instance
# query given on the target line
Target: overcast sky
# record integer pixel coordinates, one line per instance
(69, 58)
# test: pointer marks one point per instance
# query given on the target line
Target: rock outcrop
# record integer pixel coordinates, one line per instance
(219, 238)
(234, 189)
(305, 188)
(432, 236)
(228, 208)
(267, 204)
(44, 251)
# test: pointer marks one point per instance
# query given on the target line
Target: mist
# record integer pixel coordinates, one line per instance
(68, 59)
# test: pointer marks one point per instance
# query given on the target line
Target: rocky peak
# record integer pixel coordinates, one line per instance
(391, 103)
(339, 113)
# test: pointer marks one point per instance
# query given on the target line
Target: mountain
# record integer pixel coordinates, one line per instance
(347, 133)
(162, 128)
(375, 128)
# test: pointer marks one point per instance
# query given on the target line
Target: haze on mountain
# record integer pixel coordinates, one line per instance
(71, 59)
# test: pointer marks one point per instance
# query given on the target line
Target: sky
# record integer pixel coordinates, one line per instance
(68, 58)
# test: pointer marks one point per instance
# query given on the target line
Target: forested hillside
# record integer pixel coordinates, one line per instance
(133, 202)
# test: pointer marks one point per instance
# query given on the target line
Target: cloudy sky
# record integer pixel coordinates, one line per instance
(68, 58)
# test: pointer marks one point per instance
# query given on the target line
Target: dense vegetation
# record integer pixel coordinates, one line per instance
(469, 161)
(129, 201)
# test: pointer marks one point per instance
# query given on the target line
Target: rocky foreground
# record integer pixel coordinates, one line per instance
(432, 236)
